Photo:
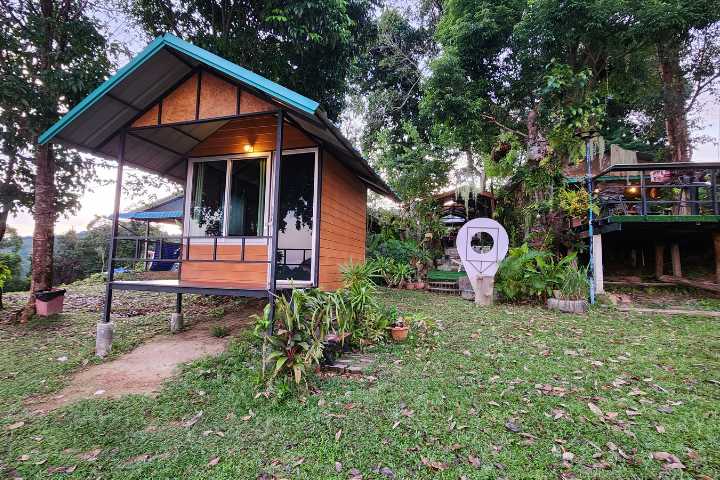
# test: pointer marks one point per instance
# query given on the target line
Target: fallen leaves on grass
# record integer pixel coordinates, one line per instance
(512, 426)
(89, 456)
(193, 420)
(15, 426)
(669, 461)
(434, 464)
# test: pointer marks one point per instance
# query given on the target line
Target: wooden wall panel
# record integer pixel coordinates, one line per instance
(149, 118)
(181, 104)
(249, 103)
(247, 275)
(258, 132)
(218, 98)
(342, 222)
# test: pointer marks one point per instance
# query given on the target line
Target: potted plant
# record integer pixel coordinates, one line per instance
(49, 302)
(399, 330)
(573, 292)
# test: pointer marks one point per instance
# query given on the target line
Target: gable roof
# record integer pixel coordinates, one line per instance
(274, 90)
(94, 125)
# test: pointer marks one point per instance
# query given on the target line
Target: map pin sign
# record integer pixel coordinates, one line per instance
(482, 243)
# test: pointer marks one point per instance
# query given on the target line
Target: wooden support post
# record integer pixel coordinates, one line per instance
(716, 244)
(659, 260)
(484, 289)
(675, 256)
(598, 264)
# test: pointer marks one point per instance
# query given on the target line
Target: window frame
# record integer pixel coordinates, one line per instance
(228, 239)
(268, 222)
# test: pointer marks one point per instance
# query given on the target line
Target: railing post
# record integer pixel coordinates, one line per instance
(643, 194)
(114, 229)
(275, 209)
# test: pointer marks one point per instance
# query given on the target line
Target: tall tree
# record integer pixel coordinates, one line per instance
(308, 46)
(53, 57)
(684, 36)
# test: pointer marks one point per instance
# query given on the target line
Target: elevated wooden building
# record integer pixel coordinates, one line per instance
(275, 196)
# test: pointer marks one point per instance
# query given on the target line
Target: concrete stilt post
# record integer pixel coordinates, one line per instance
(598, 264)
(177, 322)
(104, 338)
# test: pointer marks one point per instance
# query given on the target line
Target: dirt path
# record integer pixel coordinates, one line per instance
(143, 370)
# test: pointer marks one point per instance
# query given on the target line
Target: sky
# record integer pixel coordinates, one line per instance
(98, 199)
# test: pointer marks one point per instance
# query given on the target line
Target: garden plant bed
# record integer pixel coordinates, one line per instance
(502, 391)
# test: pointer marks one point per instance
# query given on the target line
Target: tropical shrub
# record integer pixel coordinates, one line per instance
(529, 274)
(576, 202)
(574, 283)
(306, 321)
(296, 345)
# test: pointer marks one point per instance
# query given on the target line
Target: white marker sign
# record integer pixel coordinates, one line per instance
(482, 243)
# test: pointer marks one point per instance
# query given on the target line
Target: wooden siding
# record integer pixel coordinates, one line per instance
(241, 275)
(217, 98)
(258, 132)
(342, 222)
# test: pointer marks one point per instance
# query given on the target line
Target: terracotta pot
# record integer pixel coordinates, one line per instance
(420, 285)
(410, 286)
(399, 334)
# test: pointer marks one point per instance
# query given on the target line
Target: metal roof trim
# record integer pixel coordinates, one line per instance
(104, 87)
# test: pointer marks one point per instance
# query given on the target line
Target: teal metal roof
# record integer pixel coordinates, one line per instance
(243, 75)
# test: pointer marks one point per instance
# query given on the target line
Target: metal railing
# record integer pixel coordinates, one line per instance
(659, 189)
(185, 245)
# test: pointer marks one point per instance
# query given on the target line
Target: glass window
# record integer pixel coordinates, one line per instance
(247, 197)
(296, 196)
(207, 203)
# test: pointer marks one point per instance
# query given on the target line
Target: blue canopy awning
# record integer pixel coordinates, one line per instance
(166, 209)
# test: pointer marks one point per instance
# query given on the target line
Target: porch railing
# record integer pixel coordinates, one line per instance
(658, 189)
(143, 245)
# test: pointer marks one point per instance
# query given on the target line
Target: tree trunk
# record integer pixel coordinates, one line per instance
(44, 234)
(674, 95)
(4, 212)
(537, 144)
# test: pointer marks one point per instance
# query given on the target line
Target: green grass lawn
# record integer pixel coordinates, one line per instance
(498, 392)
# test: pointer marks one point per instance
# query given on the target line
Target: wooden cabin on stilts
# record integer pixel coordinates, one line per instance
(275, 196)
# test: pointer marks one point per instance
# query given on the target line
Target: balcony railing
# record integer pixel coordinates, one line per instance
(658, 189)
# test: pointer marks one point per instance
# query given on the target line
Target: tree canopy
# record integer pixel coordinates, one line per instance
(308, 46)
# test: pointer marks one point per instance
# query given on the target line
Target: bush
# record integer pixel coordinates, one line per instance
(309, 318)
(574, 283)
(529, 274)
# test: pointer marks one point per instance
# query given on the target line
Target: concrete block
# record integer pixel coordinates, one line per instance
(176, 323)
(104, 338)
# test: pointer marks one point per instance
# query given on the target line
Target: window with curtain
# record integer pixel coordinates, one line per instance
(245, 198)
(207, 201)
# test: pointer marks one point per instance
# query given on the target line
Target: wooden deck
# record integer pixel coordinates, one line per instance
(238, 289)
